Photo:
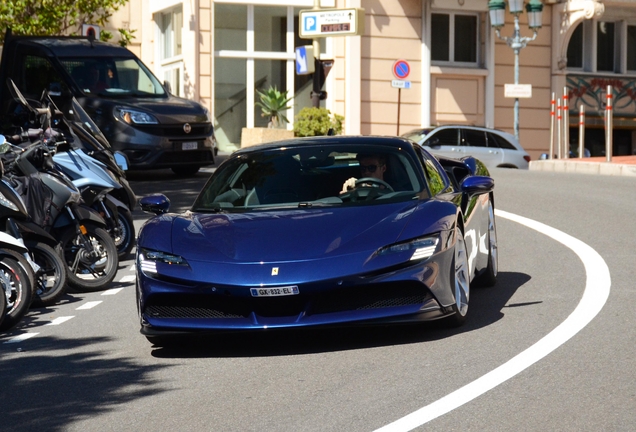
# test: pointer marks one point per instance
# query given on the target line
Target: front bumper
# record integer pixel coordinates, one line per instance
(412, 294)
(161, 146)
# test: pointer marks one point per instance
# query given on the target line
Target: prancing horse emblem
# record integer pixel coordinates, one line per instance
(187, 128)
(274, 271)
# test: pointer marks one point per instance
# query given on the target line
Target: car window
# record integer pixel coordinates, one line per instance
(312, 176)
(38, 74)
(437, 180)
(112, 76)
(495, 140)
(416, 135)
(474, 138)
(443, 137)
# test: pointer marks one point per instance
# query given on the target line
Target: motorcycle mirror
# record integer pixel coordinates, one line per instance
(121, 160)
(4, 145)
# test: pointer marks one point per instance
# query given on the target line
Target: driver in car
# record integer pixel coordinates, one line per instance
(371, 165)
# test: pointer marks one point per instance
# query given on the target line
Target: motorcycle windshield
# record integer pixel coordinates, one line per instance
(81, 118)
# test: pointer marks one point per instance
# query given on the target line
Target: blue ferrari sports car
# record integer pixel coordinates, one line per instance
(322, 231)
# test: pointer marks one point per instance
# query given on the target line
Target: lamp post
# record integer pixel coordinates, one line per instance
(497, 10)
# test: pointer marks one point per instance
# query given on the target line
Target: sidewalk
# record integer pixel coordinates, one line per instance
(619, 166)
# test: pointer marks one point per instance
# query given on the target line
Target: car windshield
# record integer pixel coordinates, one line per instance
(312, 176)
(113, 76)
(416, 135)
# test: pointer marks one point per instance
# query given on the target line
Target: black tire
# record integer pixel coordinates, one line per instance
(3, 305)
(86, 274)
(460, 282)
(15, 286)
(489, 276)
(50, 280)
(126, 238)
(185, 170)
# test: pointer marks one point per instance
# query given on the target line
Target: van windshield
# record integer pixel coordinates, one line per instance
(110, 76)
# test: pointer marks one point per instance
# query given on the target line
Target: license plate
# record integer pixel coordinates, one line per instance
(274, 292)
(189, 145)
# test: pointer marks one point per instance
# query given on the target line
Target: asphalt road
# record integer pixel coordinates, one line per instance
(95, 372)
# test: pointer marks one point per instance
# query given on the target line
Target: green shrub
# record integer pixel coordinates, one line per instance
(273, 104)
(317, 122)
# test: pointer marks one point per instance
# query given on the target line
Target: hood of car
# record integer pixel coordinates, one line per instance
(287, 235)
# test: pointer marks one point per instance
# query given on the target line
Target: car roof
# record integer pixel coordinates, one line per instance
(362, 140)
(71, 46)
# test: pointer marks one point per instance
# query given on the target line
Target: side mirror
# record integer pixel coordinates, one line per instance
(168, 86)
(155, 204)
(477, 185)
(121, 160)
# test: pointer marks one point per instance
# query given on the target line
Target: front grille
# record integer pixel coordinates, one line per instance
(157, 311)
(227, 306)
(370, 297)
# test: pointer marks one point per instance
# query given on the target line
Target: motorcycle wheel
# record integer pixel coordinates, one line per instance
(84, 273)
(126, 238)
(50, 280)
(3, 306)
(15, 286)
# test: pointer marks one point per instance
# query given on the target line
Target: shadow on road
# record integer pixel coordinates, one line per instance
(51, 391)
(487, 306)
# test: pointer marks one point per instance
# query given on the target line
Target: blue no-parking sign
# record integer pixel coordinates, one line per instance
(401, 69)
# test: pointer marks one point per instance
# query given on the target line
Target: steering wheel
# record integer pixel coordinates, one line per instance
(375, 182)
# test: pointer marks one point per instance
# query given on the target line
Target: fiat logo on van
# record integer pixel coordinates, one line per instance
(187, 128)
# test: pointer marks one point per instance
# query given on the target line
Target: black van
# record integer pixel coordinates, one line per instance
(136, 113)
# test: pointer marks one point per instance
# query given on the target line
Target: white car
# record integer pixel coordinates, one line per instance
(496, 149)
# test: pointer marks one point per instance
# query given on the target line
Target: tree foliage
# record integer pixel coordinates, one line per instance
(54, 17)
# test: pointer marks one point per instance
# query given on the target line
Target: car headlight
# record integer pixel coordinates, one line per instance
(422, 248)
(135, 117)
(208, 119)
(148, 260)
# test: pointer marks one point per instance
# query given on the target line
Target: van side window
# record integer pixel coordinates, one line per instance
(38, 74)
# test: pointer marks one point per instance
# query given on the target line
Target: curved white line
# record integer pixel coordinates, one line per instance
(597, 289)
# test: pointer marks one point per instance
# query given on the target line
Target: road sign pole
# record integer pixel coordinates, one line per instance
(398, 113)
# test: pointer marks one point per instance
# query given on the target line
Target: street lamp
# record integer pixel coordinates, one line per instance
(497, 10)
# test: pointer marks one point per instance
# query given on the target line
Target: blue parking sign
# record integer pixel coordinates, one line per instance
(309, 24)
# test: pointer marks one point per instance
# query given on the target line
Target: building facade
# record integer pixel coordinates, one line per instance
(220, 52)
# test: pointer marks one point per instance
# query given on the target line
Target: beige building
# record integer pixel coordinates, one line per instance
(219, 52)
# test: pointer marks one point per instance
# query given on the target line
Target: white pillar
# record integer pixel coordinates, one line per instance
(353, 77)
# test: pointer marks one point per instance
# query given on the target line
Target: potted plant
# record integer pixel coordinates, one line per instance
(317, 122)
(273, 105)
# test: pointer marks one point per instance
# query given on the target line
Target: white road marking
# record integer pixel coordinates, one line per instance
(112, 291)
(89, 305)
(60, 320)
(128, 278)
(132, 268)
(20, 338)
(597, 289)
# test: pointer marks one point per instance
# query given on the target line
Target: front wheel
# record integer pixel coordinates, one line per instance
(50, 280)
(16, 288)
(125, 236)
(489, 276)
(460, 281)
(91, 259)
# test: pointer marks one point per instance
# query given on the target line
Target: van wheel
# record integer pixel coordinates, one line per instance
(185, 170)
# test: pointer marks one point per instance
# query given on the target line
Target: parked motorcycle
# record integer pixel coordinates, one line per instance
(15, 280)
(46, 252)
(55, 204)
(84, 155)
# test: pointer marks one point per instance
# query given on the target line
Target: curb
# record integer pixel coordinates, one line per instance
(581, 167)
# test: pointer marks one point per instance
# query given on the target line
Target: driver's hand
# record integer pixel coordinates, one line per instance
(349, 184)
